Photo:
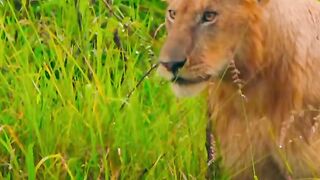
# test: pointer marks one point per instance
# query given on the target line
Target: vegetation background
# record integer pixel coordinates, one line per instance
(64, 75)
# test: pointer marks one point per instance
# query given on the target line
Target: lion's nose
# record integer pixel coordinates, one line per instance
(173, 66)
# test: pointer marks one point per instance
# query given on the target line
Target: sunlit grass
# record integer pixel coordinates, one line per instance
(62, 83)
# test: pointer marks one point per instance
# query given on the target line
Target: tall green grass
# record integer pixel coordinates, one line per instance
(63, 80)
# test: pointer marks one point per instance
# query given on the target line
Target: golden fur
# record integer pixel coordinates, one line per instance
(270, 126)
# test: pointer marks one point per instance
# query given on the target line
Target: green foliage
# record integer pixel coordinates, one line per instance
(62, 83)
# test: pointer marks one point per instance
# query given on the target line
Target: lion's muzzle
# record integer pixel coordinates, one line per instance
(173, 66)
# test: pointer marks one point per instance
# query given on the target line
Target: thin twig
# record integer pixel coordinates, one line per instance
(138, 84)
(118, 43)
(111, 10)
(146, 170)
(211, 147)
(116, 39)
(236, 78)
(158, 29)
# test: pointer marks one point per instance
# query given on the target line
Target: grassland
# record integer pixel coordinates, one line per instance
(64, 76)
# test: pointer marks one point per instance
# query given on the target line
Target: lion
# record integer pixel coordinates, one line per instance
(258, 64)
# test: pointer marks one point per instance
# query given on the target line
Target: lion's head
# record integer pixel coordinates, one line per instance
(203, 37)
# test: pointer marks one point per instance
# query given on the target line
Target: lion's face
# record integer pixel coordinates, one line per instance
(203, 36)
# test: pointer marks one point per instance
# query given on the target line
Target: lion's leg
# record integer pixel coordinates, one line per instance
(267, 169)
(300, 159)
(298, 156)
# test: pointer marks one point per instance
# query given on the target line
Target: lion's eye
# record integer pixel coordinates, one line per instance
(209, 17)
(172, 15)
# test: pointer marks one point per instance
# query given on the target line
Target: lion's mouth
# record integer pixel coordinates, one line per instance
(183, 81)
